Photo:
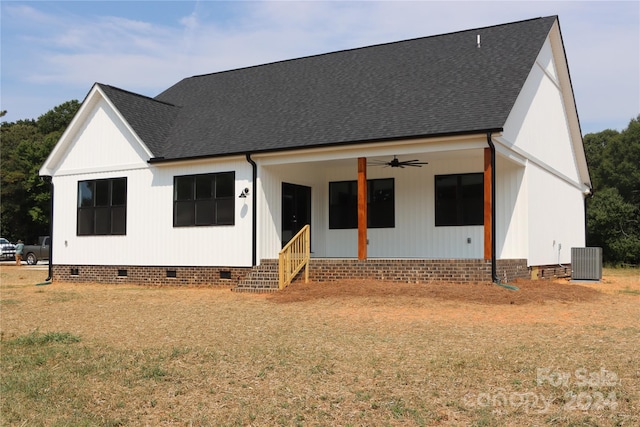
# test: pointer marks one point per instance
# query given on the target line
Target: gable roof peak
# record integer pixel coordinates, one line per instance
(108, 88)
(151, 119)
(427, 86)
(355, 49)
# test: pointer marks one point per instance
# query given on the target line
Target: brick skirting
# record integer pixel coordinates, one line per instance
(512, 269)
(151, 275)
(550, 271)
(417, 270)
(321, 270)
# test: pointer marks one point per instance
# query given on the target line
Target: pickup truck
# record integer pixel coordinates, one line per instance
(34, 253)
(7, 249)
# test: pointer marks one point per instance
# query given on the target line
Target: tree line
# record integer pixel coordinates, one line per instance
(25, 197)
(613, 210)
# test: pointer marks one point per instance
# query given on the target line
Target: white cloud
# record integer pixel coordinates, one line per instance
(66, 49)
(27, 14)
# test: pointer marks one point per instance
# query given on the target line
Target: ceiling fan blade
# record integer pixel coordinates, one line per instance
(396, 163)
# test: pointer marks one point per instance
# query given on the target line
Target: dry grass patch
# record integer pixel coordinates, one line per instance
(320, 354)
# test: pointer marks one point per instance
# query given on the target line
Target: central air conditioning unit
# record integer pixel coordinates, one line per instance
(586, 264)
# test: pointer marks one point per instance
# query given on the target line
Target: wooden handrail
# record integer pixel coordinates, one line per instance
(295, 255)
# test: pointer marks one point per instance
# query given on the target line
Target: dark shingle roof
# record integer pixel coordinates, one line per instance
(428, 86)
(150, 119)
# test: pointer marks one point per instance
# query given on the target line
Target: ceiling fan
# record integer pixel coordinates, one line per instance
(395, 163)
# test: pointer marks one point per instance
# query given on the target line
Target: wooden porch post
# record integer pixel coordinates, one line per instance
(362, 208)
(487, 204)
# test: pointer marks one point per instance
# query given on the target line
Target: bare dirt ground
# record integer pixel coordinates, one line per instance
(347, 353)
(614, 301)
(528, 292)
(557, 301)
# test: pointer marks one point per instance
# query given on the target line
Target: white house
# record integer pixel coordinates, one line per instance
(468, 143)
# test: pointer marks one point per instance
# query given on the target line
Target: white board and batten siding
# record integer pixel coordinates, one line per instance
(538, 124)
(556, 219)
(512, 234)
(550, 200)
(101, 144)
(105, 148)
(270, 180)
(539, 190)
(414, 235)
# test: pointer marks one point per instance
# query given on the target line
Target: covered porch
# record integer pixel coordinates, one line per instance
(441, 210)
(372, 220)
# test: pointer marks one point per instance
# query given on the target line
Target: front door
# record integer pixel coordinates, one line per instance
(296, 209)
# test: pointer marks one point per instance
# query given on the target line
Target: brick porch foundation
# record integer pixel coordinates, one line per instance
(321, 270)
(417, 270)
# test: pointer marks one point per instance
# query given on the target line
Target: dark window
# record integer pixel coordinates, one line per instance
(460, 199)
(343, 204)
(380, 203)
(204, 199)
(102, 207)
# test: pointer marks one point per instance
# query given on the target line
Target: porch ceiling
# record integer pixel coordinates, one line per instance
(350, 159)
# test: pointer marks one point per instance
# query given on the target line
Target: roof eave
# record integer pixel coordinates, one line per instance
(159, 160)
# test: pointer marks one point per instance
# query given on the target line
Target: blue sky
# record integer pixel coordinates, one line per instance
(54, 51)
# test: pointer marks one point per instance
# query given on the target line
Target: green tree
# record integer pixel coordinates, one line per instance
(57, 119)
(613, 226)
(13, 193)
(613, 213)
(621, 165)
(25, 144)
(594, 147)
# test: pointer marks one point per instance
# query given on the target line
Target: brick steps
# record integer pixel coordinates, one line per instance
(262, 278)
